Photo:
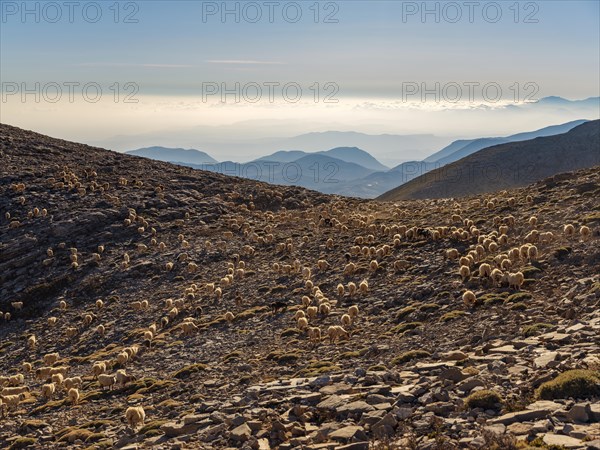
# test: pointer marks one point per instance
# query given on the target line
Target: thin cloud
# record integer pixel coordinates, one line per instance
(150, 65)
(242, 61)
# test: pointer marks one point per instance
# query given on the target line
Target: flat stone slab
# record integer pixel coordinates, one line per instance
(241, 433)
(544, 359)
(331, 402)
(346, 433)
(358, 406)
(455, 355)
(453, 374)
(522, 416)
(174, 429)
(263, 444)
(496, 429)
(354, 446)
(555, 337)
(336, 388)
(565, 441)
(593, 445)
(402, 389)
(581, 412)
(518, 428)
(425, 367)
(468, 385)
(545, 404)
(577, 327)
(505, 350)
(595, 409)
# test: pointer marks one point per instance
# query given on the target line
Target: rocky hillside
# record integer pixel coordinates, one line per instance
(507, 166)
(242, 315)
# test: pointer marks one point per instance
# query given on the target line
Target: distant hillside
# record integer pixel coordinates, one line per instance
(175, 155)
(349, 171)
(388, 147)
(314, 171)
(376, 183)
(349, 154)
(547, 131)
(449, 149)
(283, 156)
(560, 101)
(469, 149)
(355, 155)
(379, 182)
(507, 166)
(459, 149)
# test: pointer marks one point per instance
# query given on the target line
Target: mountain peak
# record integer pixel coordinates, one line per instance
(176, 155)
(357, 156)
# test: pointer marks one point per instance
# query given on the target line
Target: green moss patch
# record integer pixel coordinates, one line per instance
(484, 399)
(251, 312)
(73, 434)
(33, 423)
(22, 442)
(530, 271)
(189, 370)
(405, 312)
(429, 307)
(232, 355)
(49, 406)
(520, 306)
(518, 297)
(282, 357)
(291, 332)
(317, 368)
(151, 426)
(452, 315)
(561, 253)
(409, 356)
(535, 329)
(404, 327)
(572, 383)
(493, 299)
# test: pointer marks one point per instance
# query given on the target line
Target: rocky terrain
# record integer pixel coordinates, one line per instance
(212, 300)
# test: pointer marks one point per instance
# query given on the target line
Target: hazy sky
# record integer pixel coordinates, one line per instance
(366, 55)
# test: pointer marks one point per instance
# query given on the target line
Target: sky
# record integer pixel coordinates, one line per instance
(92, 70)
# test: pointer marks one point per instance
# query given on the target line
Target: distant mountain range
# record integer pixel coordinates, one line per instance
(175, 155)
(506, 166)
(342, 170)
(390, 147)
(460, 149)
(317, 171)
(377, 183)
(349, 154)
(252, 139)
(553, 100)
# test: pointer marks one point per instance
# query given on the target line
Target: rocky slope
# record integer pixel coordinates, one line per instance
(419, 369)
(507, 166)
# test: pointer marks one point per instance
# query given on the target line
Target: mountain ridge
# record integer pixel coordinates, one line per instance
(176, 155)
(366, 181)
(516, 164)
